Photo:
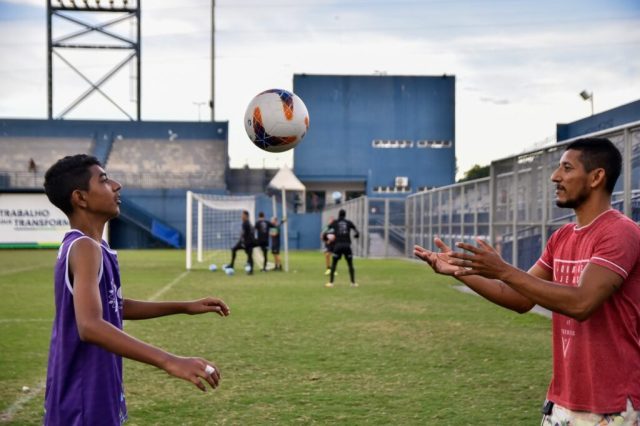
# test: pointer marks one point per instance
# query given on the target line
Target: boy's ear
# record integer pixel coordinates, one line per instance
(78, 198)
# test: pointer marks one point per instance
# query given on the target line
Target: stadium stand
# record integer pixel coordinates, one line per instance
(156, 163)
(25, 159)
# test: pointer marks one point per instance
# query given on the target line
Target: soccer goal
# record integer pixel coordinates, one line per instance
(213, 227)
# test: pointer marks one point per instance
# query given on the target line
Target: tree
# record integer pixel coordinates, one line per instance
(476, 172)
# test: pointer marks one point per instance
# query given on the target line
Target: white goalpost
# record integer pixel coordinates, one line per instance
(213, 227)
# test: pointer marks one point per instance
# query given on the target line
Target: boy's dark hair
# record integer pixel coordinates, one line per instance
(342, 214)
(67, 175)
(246, 213)
(261, 214)
(599, 153)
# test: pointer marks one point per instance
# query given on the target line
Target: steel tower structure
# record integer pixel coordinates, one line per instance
(78, 12)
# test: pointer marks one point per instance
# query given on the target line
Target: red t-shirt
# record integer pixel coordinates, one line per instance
(596, 363)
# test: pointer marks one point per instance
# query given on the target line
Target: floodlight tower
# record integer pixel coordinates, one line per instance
(80, 13)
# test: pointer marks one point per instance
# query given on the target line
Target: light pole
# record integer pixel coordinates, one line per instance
(587, 96)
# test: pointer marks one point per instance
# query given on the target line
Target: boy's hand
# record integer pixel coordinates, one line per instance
(208, 304)
(192, 370)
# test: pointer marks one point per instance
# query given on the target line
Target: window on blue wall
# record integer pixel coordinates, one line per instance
(315, 201)
(350, 195)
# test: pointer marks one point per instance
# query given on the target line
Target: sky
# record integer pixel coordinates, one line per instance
(519, 64)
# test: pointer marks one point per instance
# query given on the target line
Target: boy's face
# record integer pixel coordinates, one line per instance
(103, 196)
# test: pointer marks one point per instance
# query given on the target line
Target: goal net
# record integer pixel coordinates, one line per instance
(213, 227)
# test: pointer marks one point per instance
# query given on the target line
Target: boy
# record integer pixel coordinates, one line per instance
(84, 374)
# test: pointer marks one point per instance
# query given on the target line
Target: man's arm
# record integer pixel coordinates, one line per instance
(85, 258)
(596, 285)
(353, 226)
(493, 290)
(138, 309)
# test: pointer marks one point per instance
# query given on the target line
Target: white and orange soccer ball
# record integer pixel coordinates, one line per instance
(276, 120)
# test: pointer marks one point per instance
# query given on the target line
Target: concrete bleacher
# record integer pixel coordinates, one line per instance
(159, 163)
(17, 153)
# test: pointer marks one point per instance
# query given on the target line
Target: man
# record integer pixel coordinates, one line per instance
(274, 233)
(84, 373)
(246, 242)
(589, 276)
(262, 228)
(341, 229)
(328, 241)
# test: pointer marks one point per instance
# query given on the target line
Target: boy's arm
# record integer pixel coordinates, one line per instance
(138, 309)
(85, 259)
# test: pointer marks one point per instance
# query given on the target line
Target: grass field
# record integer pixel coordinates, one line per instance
(403, 348)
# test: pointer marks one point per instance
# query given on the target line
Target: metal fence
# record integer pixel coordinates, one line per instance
(513, 208)
(381, 222)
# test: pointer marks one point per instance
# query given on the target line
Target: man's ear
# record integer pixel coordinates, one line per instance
(598, 177)
(78, 198)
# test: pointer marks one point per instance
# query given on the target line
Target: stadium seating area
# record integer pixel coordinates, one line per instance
(16, 166)
(154, 163)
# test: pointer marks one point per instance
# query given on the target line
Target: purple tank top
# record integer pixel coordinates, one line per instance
(84, 381)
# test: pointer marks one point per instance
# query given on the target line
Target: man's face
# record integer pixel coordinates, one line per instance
(571, 181)
(103, 195)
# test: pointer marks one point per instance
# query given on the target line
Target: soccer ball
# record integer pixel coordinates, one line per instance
(276, 120)
(229, 271)
(213, 267)
(247, 268)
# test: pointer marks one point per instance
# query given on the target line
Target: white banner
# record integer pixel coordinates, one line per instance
(30, 220)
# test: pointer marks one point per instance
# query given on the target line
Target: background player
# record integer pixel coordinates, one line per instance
(274, 233)
(84, 373)
(246, 243)
(262, 229)
(327, 239)
(341, 228)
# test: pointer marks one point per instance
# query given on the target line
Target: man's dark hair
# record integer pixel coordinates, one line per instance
(67, 175)
(599, 153)
(261, 214)
(342, 214)
(246, 213)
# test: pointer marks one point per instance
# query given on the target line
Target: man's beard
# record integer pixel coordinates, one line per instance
(573, 203)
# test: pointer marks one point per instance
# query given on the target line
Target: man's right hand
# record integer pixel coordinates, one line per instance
(439, 262)
(192, 370)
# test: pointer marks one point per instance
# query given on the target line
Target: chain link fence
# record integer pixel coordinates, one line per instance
(513, 208)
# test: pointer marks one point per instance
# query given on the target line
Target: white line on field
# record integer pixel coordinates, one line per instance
(167, 287)
(23, 269)
(14, 320)
(7, 415)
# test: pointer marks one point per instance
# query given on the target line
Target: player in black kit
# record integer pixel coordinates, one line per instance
(262, 228)
(246, 243)
(341, 228)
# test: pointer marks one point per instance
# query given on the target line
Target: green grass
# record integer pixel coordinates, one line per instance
(404, 348)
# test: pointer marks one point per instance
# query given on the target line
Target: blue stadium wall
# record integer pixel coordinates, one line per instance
(618, 116)
(348, 113)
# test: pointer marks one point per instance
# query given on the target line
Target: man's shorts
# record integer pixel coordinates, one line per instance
(328, 248)
(563, 416)
(275, 250)
(342, 249)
